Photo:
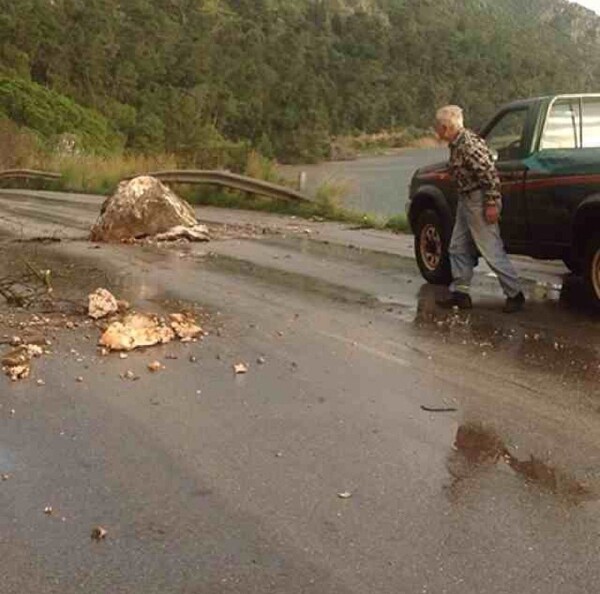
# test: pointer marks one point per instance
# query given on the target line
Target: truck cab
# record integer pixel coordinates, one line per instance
(547, 152)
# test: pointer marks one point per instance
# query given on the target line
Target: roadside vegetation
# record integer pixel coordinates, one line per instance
(100, 174)
(283, 76)
(382, 142)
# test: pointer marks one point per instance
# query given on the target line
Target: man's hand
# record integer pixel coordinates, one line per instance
(491, 213)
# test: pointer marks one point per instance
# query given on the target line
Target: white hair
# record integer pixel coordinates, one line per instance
(450, 116)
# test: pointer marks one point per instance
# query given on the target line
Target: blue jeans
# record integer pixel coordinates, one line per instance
(473, 235)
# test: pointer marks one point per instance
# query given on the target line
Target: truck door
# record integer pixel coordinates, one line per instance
(507, 137)
(553, 187)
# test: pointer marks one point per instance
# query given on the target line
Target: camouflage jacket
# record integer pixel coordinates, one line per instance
(472, 166)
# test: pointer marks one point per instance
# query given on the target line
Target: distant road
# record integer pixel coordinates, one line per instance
(374, 184)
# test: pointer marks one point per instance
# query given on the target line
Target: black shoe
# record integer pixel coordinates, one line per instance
(456, 299)
(514, 304)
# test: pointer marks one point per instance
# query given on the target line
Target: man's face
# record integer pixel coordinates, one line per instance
(443, 132)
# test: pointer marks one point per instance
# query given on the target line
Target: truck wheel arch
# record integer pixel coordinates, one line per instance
(585, 224)
(430, 197)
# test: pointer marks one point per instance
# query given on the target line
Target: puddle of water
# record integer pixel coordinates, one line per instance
(543, 337)
(478, 448)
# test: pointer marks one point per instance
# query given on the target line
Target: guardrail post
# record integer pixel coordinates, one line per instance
(302, 181)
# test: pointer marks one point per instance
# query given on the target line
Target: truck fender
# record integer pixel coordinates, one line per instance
(585, 222)
(431, 197)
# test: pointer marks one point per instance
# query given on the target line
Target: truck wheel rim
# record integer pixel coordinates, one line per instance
(430, 245)
(596, 273)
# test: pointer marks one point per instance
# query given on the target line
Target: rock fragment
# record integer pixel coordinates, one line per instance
(195, 233)
(102, 303)
(240, 368)
(16, 364)
(134, 331)
(98, 533)
(185, 326)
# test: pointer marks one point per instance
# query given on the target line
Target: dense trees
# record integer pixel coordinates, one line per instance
(285, 75)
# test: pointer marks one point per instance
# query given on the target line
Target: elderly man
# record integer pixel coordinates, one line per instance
(476, 230)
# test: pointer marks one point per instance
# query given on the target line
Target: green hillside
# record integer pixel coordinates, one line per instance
(52, 116)
(284, 75)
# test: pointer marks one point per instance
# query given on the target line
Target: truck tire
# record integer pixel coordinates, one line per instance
(431, 248)
(591, 270)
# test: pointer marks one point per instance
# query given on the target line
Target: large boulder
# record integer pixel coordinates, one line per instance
(141, 207)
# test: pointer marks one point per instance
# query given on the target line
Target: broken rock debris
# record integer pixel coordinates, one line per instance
(240, 368)
(142, 330)
(136, 330)
(185, 326)
(16, 364)
(98, 533)
(102, 303)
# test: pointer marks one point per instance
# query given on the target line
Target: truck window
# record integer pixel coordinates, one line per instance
(562, 126)
(591, 122)
(506, 137)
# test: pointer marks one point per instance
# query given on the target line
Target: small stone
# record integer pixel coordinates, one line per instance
(155, 366)
(48, 510)
(240, 368)
(261, 360)
(193, 359)
(79, 379)
(40, 382)
(123, 355)
(99, 533)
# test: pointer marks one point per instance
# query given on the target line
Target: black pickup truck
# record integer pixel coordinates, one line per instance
(548, 158)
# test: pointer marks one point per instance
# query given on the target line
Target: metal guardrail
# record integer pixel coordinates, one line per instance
(191, 176)
(230, 180)
(28, 174)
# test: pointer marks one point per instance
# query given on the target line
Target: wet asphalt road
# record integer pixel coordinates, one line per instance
(375, 184)
(210, 482)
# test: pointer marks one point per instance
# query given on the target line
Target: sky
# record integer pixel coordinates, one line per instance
(591, 4)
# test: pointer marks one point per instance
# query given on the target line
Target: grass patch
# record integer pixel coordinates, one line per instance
(325, 207)
(398, 224)
(351, 146)
(97, 174)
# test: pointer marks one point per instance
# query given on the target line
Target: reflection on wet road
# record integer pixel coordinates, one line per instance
(478, 449)
(556, 337)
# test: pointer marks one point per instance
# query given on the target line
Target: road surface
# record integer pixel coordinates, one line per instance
(377, 184)
(318, 471)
